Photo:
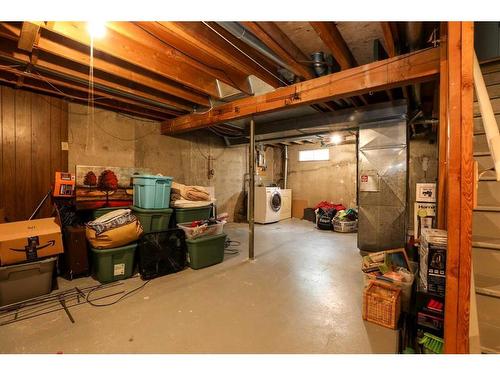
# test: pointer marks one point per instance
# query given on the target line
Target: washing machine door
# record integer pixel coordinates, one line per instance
(275, 201)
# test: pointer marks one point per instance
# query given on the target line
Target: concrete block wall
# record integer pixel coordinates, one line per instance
(118, 140)
(333, 180)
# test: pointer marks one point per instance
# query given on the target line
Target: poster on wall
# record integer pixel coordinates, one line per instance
(102, 186)
(369, 181)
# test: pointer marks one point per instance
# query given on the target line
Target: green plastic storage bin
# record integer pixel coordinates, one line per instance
(187, 215)
(152, 192)
(104, 210)
(109, 265)
(153, 220)
(206, 251)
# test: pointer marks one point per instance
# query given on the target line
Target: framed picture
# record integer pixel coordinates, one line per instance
(104, 186)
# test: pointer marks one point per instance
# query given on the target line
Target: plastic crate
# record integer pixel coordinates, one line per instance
(206, 251)
(153, 220)
(20, 282)
(109, 265)
(345, 226)
(201, 231)
(187, 215)
(162, 253)
(152, 192)
(104, 210)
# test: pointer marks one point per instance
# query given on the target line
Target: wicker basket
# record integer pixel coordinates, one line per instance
(382, 304)
(345, 226)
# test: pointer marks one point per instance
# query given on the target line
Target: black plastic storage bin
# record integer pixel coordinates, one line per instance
(162, 253)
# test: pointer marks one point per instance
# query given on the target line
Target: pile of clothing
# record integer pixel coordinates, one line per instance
(325, 212)
(114, 229)
(346, 215)
(328, 206)
(185, 196)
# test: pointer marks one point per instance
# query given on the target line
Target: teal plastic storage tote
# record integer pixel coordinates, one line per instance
(152, 192)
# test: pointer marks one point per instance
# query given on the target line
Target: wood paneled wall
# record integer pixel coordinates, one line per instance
(32, 127)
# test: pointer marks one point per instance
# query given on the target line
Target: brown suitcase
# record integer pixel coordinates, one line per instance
(75, 258)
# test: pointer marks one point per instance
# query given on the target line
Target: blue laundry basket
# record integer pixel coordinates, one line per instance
(152, 192)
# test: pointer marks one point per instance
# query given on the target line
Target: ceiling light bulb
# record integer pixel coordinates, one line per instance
(336, 139)
(96, 29)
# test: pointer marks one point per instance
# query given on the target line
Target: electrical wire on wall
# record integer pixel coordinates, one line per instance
(90, 104)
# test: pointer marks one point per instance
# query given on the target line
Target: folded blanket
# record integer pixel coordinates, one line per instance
(184, 203)
(192, 193)
(175, 196)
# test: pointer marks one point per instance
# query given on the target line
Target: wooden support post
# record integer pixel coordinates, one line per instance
(459, 186)
(251, 190)
(443, 127)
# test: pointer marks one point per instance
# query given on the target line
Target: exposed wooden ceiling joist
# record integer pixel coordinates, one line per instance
(43, 68)
(331, 36)
(389, 40)
(113, 106)
(56, 48)
(281, 45)
(129, 43)
(30, 32)
(199, 41)
(60, 86)
(380, 75)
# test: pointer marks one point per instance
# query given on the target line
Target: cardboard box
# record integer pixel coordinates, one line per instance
(426, 192)
(298, 206)
(30, 240)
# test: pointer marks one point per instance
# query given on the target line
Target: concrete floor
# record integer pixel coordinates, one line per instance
(302, 294)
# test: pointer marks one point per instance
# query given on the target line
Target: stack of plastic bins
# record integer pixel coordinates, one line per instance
(152, 192)
(153, 220)
(187, 215)
(109, 265)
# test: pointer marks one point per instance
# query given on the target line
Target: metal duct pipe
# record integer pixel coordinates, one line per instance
(319, 63)
(414, 35)
(285, 168)
(241, 33)
(98, 86)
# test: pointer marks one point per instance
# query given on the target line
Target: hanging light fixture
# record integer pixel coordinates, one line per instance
(96, 28)
(336, 139)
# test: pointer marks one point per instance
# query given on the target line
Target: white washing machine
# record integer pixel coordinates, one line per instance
(267, 204)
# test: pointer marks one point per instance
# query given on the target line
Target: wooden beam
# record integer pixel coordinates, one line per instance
(280, 49)
(51, 47)
(55, 70)
(331, 36)
(129, 43)
(380, 75)
(273, 30)
(30, 32)
(389, 42)
(198, 41)
(460, 186)
(83, 88)
(108, 106)
(443, 127)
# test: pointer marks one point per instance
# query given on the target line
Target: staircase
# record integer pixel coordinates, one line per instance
(486, 224)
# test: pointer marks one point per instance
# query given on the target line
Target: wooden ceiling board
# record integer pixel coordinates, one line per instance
(359, 36)
(303, 36)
